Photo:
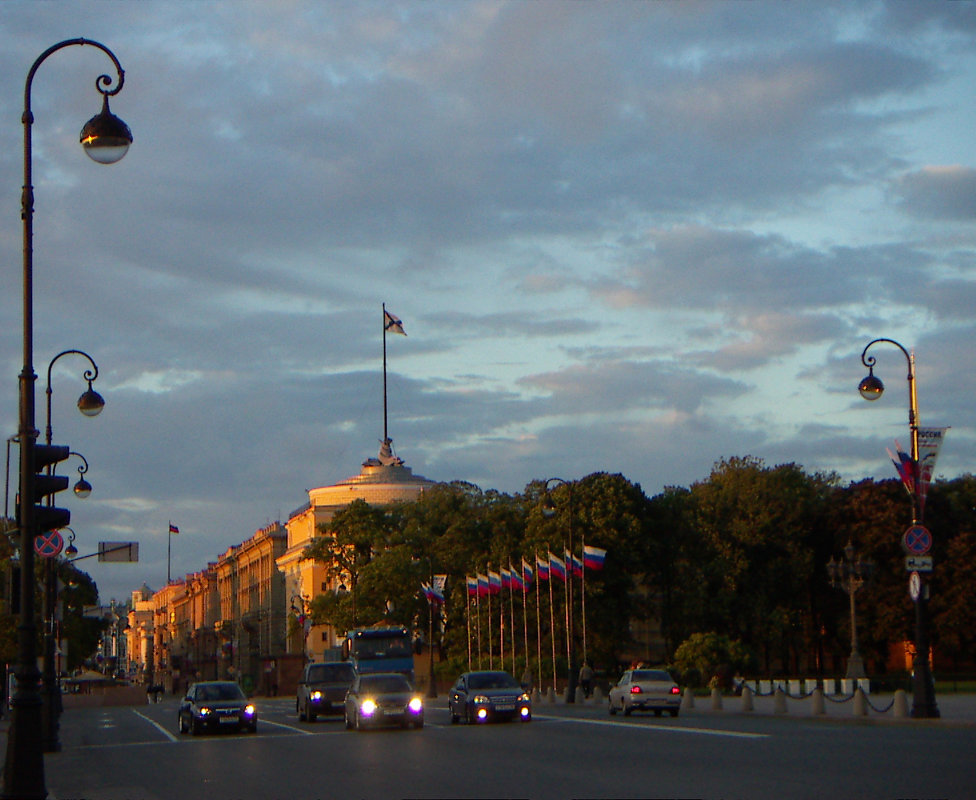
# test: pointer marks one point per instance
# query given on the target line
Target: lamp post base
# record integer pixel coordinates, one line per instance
(855, 666)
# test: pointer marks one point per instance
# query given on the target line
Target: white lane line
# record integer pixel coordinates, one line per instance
(657, 728)
(156, 725)
(265, 721)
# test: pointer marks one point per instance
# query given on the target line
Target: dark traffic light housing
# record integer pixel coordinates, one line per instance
(49, 517)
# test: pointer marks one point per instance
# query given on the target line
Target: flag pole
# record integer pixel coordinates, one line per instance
(386, 436)
(169, 548)
(583, 594)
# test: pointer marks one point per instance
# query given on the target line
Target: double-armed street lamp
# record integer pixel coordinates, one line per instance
(871, 388)
(549, 510)
(106, 139)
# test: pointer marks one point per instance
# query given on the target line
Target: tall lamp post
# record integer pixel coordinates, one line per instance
(105, 139)
(871, 388)
(90, 404)
(549, 510)
(850, 575)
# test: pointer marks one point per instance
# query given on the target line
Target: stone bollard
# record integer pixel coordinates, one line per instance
(687, 700)
(716, 699)
(818, 701)
(747, 699)
(551, 696)
(580, 696)
(860, 703)
(779, 700)
(536, 696)
(901, 704)
(598, 696)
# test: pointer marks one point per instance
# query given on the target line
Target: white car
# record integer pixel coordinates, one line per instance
(646, 690)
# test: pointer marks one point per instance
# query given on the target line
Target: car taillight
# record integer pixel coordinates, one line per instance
(675, 690)
(635, 689)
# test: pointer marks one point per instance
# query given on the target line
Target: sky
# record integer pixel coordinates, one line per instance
(628, 237)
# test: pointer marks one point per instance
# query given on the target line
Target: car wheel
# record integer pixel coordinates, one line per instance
(625, 708)
(195, 727)
(454, 717)
(182, 724)
(613, 709)
(468, 716)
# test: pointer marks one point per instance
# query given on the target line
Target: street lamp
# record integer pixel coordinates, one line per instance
(105, 139)
(90, 404)
(850, 575)
(871, 388)
(549, 510)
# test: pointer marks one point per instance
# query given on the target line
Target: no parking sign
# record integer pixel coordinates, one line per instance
(49, 544)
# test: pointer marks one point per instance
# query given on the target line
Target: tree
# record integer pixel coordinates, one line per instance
(347, 545)
(764, 530)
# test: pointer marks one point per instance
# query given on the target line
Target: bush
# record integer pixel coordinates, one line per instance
(712, 658)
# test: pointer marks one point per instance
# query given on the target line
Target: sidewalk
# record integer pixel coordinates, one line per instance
(954, 708)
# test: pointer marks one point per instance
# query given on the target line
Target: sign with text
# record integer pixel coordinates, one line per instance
(118, 551)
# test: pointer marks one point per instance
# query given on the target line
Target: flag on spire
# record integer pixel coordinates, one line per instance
(392, 323)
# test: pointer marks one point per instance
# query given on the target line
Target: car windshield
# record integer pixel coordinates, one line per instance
(383, 684)
(220, 691)
(331, 673)
(652, 675)
(492, 680)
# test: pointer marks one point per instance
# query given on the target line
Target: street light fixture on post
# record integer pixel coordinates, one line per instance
(871, 388)
(90, 404)
(549, 510)
(105, 139)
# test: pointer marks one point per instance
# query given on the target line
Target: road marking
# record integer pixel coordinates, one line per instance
(266, 721)
(657, 728)
(156, 725)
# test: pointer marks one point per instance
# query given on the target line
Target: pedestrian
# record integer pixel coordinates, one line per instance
(586, 678)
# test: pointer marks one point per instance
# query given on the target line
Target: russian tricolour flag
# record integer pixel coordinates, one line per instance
(593, 557)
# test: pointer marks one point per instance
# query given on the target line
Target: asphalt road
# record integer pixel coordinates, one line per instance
(136, 753)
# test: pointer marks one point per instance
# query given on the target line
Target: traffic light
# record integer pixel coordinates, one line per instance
(49, 518)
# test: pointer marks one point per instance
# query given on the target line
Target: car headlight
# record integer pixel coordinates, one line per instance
(316, 695)
(368, 707)
(204, 711)
(416, 705)
(524, 698)
(249, 710)
(481, 699)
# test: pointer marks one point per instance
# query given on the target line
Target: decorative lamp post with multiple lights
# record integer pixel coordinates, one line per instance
(549, 510)
(106, 139)
(871, 388)
(850, 575)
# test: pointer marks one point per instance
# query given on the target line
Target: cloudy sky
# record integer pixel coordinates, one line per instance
(631, 237)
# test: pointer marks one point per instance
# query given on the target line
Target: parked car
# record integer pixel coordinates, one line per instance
(383, 698)
(322, 689)
(488, 695)
(216, 705)
(646, 690)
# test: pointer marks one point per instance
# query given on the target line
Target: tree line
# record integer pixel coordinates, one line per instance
(742, 554)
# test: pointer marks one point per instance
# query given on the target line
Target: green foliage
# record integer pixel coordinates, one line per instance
(711, 658)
